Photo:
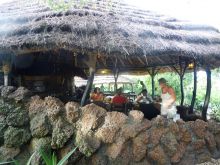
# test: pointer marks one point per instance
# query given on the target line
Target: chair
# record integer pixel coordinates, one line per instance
(149, 111)
(118, 107)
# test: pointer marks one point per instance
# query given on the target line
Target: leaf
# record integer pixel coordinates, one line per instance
(46, 157)
(16, 162)
(54, 159)
(66, 157)
(29, 160)
(6, 162)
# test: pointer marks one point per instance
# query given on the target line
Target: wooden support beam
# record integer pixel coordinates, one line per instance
(208, 94)
(194, 88)
(88, 87)
(153, 72)
(181, 74)
(91, 63)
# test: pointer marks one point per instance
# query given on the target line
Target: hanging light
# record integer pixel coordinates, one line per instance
(191, 65)
(104, 71)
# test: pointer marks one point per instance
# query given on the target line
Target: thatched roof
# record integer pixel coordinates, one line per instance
(104, 79)
(135, 38)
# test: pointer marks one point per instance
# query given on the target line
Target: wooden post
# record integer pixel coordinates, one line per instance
(153, 73)
(91, 63)
(194, 88)
(88, 87)
(208, 94)
(181, 74)
(116, 74)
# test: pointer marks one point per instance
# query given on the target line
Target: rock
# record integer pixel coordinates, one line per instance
(21, 93)
(188, 158)
(72, 112)
(92, 117)
(86, 143)
(106, 134)
(169, 143)
(34, 147)
(54, 108)
(3, 127)
(40, 126)
(18, 117)
(155, 135)
(99, 159)
(158, 156)
(143, 162)
(205, 156)
(159, 121)
(68, 148)
(184, 133)
(199, 127)
(210, 141)
(115, 149)
(125, 156)
(37, 143)
(35, 106)
(139, 146)
(179, 154)
(6, 107)
(130, 129)
(7, 154)
(174, 129)
(112, 123)
(23, 156)
(198, 144)
(6, 90)
(217, 139)
(214, 127)
(61, 134)
(137, 116)
(16, 137)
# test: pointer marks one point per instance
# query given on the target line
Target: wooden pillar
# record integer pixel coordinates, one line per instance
(116, 74)
(88, 86)
(181, 73)
(91, 63)
(208, 94)
(153, 73)
(194, 88)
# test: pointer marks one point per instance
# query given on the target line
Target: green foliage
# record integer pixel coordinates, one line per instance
(48, 158)
(63, 5)
(51, 159)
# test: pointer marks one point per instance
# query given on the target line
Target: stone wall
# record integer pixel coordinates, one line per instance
(101, 137)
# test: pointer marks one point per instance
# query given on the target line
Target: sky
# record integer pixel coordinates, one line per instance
(197, 11)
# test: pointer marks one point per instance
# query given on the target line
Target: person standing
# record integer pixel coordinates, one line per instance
(168, 96)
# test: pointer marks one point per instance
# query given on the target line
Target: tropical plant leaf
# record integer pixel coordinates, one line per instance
(46, 157)
(1, 163)
(16, 162)
(66, 157)
(29, 160)
(54, 159)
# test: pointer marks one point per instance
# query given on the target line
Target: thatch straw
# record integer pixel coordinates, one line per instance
(120, 31)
